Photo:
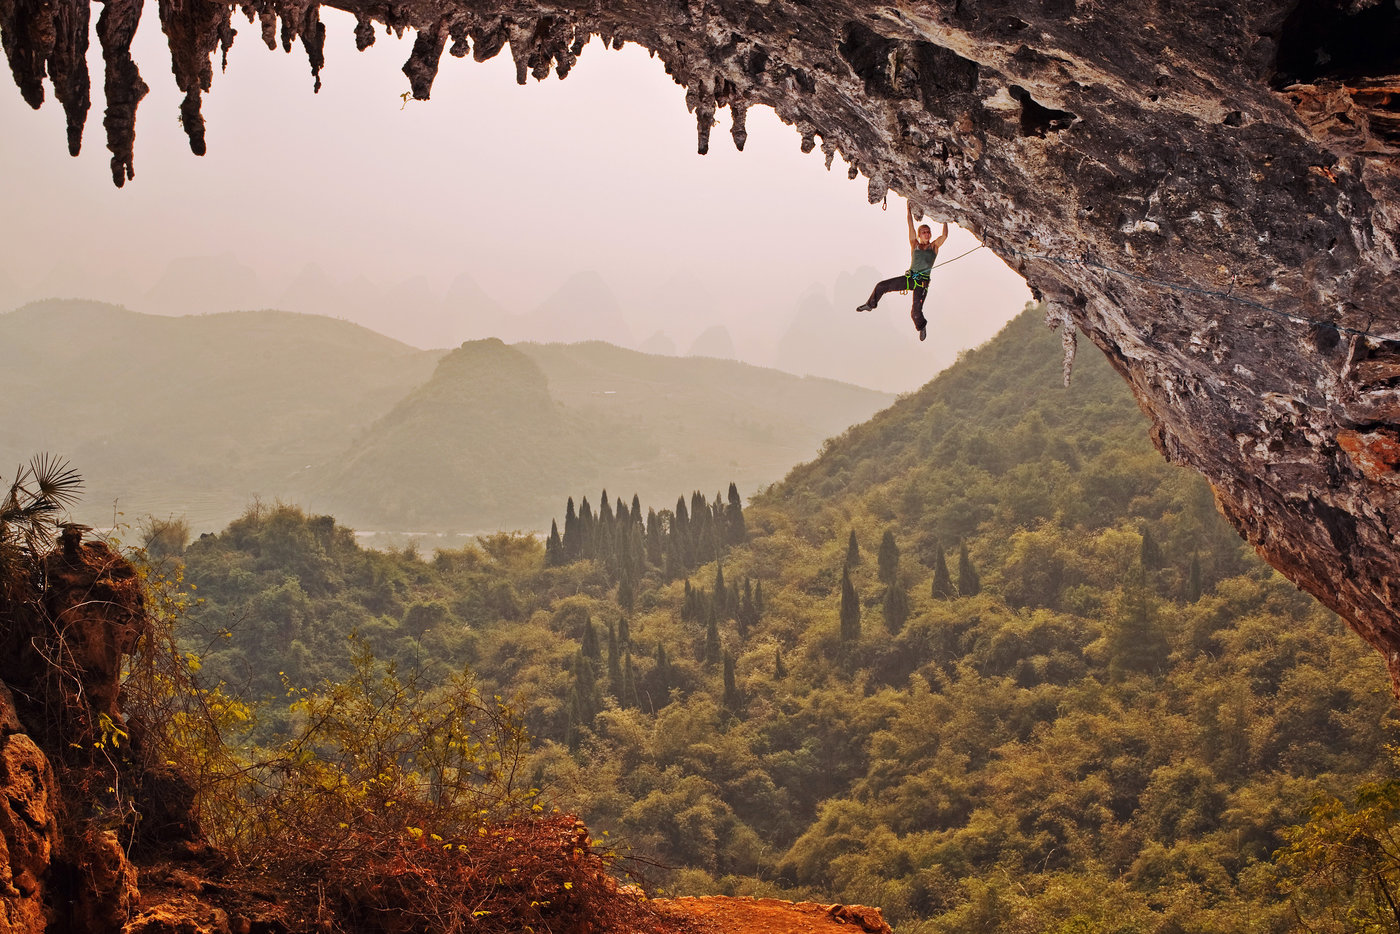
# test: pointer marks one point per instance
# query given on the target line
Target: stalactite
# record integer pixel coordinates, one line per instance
(364, 31)
(68, 69)
(193, 29)
(459, 31)
(27, 31)
(267, 20)
(878, 189)
(544, 47)
(569, 47)
(701, 100)
(739, 123)
(313, 40)
(226, 37)
(519, 36)
(122, 84)
(422, 66)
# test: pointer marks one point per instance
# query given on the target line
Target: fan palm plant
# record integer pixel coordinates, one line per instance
(29, 516)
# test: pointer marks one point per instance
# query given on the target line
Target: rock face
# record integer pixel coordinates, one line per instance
(62, 866)
(28, 830)
(1206, 190)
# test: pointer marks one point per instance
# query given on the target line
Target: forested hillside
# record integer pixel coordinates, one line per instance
(988, 663)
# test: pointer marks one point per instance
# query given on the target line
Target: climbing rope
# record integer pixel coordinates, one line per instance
(980, 246)
(1197, 290)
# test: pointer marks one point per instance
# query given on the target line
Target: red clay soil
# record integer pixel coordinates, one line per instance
(771, 916)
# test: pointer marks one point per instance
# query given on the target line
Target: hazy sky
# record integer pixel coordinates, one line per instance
(517, 188)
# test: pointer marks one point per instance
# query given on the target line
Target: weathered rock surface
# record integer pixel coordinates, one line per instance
(28, 829)
(181, 915)
(743, 915)
(61, 866)
(1207, 191)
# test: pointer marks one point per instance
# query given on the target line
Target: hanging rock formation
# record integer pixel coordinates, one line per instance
(1207, 191)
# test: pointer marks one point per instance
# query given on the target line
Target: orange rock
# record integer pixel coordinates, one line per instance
(1375, 453)
(744, 915)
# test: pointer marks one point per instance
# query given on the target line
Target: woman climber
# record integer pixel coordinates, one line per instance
(925, 251)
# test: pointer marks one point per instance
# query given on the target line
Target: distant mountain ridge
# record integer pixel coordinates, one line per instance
(198, 415)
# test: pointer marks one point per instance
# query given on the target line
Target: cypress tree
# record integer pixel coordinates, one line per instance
(663, 674)
(572, 732)
(969, 584)
(700, 522)
(888, 558)
(629, 681)
(1151, 554)
(850, 609)
(895, 608)
(636, 550)
(572, 544)
(852, 551)
(712, 647)
(689, 604)
(734, 517)
(731, 685)
(626, 594)
(1136, 642)
(590, 647)
(656, 549)
(1193, 579)
(746, 616)
(942, 581)
(605, 538)
(583, 699)
(680, 536)
(586, 530)
(758, 601)
(624, 634)
(614, 663)
(722, 609)
(636, 510)
(553, 547)
(779, 669)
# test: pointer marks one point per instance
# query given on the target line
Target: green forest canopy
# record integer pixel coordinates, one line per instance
(988, 663)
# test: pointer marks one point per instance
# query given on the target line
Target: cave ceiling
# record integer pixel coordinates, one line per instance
(1207, 191)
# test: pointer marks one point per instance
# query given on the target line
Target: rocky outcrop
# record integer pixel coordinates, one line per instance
(62, 866)
(28, 828)
(1207, 191)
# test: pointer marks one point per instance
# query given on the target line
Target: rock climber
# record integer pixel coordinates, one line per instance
(925, 251)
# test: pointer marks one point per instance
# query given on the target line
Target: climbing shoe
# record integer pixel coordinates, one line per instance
(866, 307)
(923, 332)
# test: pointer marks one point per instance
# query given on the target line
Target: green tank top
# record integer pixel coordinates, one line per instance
(922, 260)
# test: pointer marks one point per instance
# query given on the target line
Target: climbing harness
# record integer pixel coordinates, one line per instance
(1228, 296)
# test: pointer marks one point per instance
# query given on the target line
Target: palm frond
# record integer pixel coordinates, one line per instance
(57, 482)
